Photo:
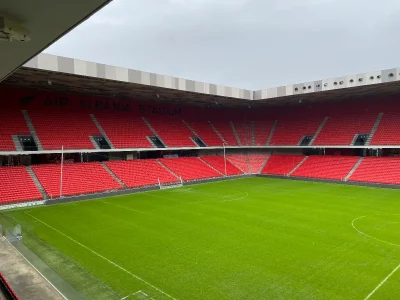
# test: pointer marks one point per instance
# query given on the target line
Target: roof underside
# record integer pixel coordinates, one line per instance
(67, 83)
(46, 21)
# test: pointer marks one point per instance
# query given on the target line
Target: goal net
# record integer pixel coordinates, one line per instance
(169, 185)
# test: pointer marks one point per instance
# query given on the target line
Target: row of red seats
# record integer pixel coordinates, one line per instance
(17, 185)
(72, 129)
(85, 178)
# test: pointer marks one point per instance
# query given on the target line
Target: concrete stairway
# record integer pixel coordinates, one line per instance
(94, 142)
(353, 169)
(113, 175)
(211, 166)
(17, 143)
(37, 182)
(374, 128)
(32, 130)
(103, 133)
(298, 165)
(154, 132)
(319, 130)
(253, 135)
(263, 164)
(218, 133)
(168, 169)
(227, 159)
(235, 133)
(272, 132)
(248, 163)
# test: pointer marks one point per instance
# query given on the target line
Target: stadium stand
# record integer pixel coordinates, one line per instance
(326, 167)
(384, 170)
(140, 173)
(204, 130)
(279, 164)
(340, 129)
(218, 162)
(17, 185)
(190, 168)
(240, 161)
(290, 130)
(244, 132)
(172, 131)
(125, 130)
(78, 178)
(12, 123)
(225, 130)
(262, 131)
(256, 161)
(63, 127)
(388, 130)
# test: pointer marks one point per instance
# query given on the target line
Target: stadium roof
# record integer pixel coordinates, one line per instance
(46, 21)
(50, 72)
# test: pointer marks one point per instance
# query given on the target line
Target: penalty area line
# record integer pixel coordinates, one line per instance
(103, 257)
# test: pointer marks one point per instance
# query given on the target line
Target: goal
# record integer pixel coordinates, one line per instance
(164, 186)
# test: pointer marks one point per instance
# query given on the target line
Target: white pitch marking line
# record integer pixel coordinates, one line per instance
(382, 282)
(133, 295)
(382, 241)
(236, 199)
(124, 207)
(101, 256)
(367, 235)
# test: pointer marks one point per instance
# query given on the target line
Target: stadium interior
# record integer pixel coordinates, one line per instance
(68, 135)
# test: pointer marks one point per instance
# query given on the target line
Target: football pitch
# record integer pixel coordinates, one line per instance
(252, 238)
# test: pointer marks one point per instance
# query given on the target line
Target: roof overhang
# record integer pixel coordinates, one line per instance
(67, 75)
(46, 21)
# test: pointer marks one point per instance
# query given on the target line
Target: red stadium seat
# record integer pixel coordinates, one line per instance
(79, 178)
(140, 173)
(16, 185)
(281, 164)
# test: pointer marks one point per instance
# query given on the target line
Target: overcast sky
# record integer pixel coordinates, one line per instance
(249, 44)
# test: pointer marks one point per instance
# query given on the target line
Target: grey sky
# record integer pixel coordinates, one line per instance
(250, 44)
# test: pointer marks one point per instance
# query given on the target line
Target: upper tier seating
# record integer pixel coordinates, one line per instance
(140, 173)
(262, 130)
(172, 131)
(190, 168)
(204, 130)
(290, 131)
(244, 132)
(256, 161)
(388, 130)
(340, 129)
(219, 163)
(224, 128)
(79, 178)
(16, 185)
(385, 170)
(57, 128)
(326, 167)
(281, 164)
(12, 122)
(240, 161)
(125, 130)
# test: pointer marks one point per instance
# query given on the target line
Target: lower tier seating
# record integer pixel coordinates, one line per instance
(17, 185)
(190, 168)
(240, 161)
(383, 170)
(256, 161)
(80, 178)
(219, 163)
(326, 167)
(139, 173)
(281, 164)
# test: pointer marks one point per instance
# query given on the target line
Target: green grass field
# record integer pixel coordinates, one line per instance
(253, 238)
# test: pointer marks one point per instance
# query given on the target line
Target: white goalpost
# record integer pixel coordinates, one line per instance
(164, 186)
